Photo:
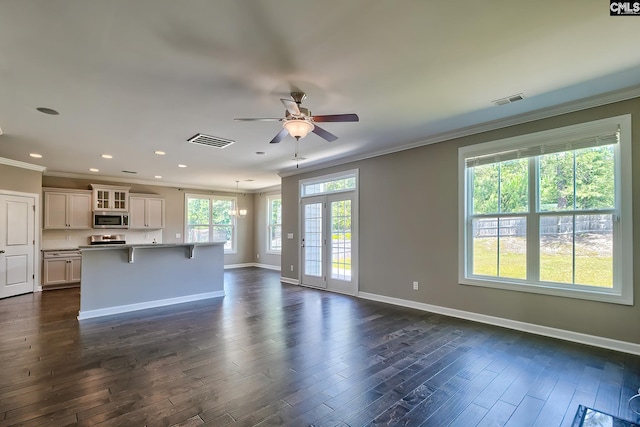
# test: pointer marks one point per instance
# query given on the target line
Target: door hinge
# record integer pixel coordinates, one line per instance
(33, 275)
(34, 207)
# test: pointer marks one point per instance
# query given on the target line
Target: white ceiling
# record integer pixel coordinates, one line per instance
(133, 76)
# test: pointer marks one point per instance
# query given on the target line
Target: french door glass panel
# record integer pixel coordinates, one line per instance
(313, 242)
(341, 240)
(328, 242)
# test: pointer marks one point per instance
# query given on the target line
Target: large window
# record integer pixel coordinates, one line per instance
(210, 219)
(550, 212)
(274, 226)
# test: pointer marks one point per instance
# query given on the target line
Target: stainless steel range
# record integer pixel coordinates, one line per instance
(107, 239)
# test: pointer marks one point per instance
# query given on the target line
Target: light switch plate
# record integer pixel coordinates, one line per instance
(178, 235)
(289, 235)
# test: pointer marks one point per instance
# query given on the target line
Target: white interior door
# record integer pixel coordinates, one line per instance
(17, 245)
(329, 236)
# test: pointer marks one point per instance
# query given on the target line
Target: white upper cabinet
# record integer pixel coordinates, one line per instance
(146, 212)
(67, 209)
(110, 197)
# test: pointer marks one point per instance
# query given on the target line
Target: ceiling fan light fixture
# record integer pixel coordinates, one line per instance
(298, 128)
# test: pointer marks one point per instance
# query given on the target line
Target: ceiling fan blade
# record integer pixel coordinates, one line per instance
(336, 118)
(291, 106)
(257, 119)
(279, 137)
(324, 134)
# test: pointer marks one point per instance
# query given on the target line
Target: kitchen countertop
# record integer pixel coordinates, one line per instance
(59, 249)
(148, 245)
(133, 247)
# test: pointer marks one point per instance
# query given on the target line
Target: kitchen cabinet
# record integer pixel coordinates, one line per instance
(110, 198)
(67, 209)
(61, 268)
(146, 211)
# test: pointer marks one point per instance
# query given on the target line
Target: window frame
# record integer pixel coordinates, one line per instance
(211, 225)
(622, 291)
(326, 179)
(270, 224)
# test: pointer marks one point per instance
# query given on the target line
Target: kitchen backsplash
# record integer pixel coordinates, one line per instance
(71, 239)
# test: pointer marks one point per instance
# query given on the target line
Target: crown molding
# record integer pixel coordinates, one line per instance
(543, 113)
(94, 177)
(22, 165)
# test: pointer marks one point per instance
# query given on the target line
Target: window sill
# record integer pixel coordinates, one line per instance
(592, 295)
(273, 252)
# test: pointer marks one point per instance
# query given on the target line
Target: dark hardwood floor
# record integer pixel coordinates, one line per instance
(273, 354)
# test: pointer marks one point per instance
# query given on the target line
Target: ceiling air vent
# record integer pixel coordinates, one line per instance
(509, 99)
(211, 141)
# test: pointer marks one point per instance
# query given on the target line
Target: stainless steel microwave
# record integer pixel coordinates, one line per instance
(105, 219)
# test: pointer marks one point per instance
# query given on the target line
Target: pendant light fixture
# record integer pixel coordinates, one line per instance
(241, 213)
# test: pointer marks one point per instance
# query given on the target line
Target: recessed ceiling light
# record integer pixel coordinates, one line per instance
(182, 166)
(158, 177)
(94, 170)
(46, 110)
(160, 153)
(36, 155)
(260, 153)
(107, 156)
(249, 180)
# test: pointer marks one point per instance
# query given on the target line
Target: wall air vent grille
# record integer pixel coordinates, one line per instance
(211, 141)
(509, 99)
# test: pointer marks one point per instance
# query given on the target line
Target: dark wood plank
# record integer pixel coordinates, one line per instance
(272, 354)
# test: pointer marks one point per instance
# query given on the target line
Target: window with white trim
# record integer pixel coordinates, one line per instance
(328, 184)
(274, 225)
(550, 212)
(210, 219)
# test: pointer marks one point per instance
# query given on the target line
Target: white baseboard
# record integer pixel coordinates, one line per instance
(87, 314)
(289, 280)
(596, 341)
(252, 264)
(230, 266)
(267, 266)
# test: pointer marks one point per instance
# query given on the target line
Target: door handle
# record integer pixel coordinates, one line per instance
(1, 251)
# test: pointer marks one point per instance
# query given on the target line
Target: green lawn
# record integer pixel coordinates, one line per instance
(593, 267)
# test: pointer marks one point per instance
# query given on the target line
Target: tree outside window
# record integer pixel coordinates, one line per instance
(274, 229)
(209, 219)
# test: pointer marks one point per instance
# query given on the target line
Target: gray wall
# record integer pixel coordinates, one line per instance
(174, 211)
(17, 179)
(409, 229)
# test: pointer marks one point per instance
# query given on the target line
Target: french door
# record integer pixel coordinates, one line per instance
(329, 242)
(17, 245)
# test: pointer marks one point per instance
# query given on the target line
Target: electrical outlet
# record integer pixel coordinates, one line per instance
(258, 256)
(68, 237)
(291, 267)
(146, 235)
(415, 286)
(178, 235)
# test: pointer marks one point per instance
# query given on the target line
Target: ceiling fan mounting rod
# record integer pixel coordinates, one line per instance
(298, 97)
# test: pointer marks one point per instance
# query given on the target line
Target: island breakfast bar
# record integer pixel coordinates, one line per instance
(122, 278)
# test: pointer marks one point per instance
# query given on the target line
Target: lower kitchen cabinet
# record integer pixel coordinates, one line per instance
(61, 269)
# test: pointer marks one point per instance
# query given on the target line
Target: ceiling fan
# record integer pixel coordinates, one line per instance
(298, 121)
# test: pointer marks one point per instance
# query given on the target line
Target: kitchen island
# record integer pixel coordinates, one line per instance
(122, 278)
